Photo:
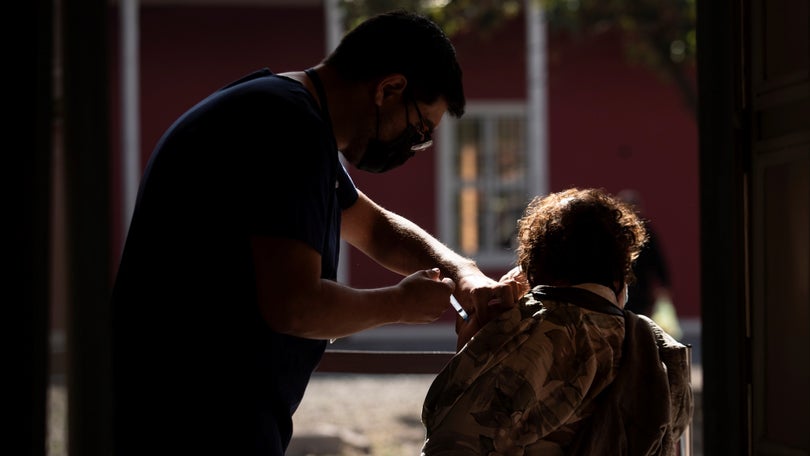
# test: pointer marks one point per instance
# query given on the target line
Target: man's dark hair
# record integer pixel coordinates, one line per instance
(579, 236)
(405, 43)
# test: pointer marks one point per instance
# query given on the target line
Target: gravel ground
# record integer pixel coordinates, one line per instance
(341, 415)
(57, 421)
(349, 414)
(346, 415)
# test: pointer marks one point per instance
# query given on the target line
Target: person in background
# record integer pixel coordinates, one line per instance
(226, 292)
(567, 371)
(650, 291)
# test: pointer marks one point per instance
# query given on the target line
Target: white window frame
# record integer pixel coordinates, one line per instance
(446, 180)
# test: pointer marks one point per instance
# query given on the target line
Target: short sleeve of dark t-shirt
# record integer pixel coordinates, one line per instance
(283, 177)
(296, 184)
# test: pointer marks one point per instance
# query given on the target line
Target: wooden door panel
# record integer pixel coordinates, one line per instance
(780, 226)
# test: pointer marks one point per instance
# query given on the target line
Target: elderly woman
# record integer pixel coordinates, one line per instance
(567, 370)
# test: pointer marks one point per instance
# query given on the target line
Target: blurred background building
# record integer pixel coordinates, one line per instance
(724, 177)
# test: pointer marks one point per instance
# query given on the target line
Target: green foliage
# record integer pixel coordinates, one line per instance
(659, 34)
(655, 29)
(454, 16)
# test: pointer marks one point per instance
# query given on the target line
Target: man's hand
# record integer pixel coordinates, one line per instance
(424, 296)
(483, 299)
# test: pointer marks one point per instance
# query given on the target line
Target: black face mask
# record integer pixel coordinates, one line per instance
(382, 156)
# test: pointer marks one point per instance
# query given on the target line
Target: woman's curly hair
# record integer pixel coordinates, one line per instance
(579, 236)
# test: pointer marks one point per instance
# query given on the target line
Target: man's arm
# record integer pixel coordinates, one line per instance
(294, 300)
(403, 247)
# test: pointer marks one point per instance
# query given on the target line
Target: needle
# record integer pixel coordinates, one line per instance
(458, 308)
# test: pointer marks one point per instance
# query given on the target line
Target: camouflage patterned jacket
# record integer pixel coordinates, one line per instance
(528, 380)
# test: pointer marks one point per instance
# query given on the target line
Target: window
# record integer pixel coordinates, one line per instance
(487, 177)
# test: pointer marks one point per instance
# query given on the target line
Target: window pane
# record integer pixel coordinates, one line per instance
(508, 209)
(511, 149)
(468, 162)
(511, 196)
(469, 155)
(468, 220)
(489, 184)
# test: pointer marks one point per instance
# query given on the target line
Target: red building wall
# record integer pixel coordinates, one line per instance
(188, 52)
(611, 124)
(614, 125)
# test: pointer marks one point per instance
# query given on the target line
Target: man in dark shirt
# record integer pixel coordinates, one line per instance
(226, 293)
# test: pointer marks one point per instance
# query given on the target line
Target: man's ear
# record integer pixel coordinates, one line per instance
(391, 85)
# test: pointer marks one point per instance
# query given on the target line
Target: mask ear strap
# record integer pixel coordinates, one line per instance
(377, 134)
